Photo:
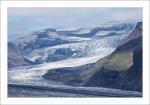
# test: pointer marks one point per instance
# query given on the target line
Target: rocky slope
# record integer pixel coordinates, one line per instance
(123, 68)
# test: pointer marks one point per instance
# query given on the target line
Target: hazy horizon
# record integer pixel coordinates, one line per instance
(24, 20)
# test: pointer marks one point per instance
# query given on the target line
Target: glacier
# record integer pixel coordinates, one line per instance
(86, 48)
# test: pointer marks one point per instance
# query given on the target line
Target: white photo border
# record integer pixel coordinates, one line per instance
(68, 101)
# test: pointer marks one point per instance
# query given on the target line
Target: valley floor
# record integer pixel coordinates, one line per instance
(15, 90)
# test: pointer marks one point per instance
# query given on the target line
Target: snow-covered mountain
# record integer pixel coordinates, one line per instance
(48, 49)
(54, 62)
(51, 37)
(51, 45)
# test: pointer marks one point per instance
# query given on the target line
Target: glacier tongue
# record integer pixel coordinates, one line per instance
(34, 72)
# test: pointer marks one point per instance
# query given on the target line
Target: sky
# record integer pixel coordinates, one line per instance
(22, 20)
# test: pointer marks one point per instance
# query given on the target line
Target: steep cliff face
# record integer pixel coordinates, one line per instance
(123, 68)
(135, 38)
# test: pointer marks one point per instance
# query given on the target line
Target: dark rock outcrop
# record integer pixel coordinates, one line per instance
(69, 75)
